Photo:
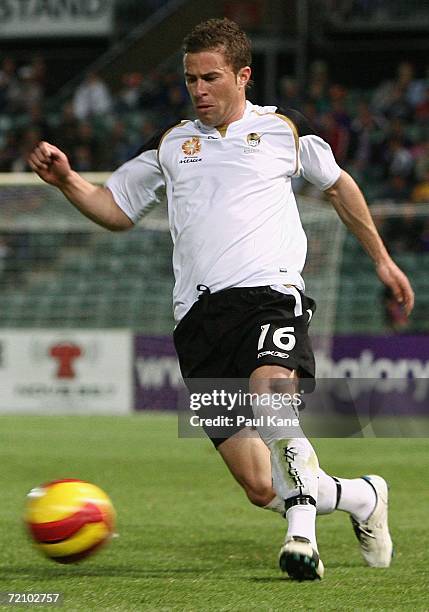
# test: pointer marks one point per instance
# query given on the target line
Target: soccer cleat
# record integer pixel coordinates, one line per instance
(299, 559)
(373, 534)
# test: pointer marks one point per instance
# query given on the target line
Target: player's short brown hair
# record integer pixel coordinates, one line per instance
(222, 34)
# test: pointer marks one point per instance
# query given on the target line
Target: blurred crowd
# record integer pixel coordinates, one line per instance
(381, 136)
(97, 128)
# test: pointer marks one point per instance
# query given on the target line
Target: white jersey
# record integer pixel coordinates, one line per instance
(232, 213)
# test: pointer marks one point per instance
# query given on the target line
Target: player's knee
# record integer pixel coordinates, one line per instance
(260, 493)
(273, 380)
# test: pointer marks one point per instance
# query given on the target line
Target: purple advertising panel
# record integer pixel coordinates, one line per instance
(395, 351)
(388, 372)
(156, 373)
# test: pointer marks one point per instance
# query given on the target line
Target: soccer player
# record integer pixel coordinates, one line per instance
(239, 249)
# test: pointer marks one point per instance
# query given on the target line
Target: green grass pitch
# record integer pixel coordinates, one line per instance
(188, 539)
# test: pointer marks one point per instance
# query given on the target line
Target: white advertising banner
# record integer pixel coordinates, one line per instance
(70, 372)
(32, 18)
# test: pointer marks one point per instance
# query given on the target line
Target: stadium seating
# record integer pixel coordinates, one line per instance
(106, 280)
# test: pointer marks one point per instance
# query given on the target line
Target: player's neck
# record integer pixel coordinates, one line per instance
(236, 115)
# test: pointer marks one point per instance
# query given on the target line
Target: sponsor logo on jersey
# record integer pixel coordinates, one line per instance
(273, 354)
(253, 139)
(191, 148)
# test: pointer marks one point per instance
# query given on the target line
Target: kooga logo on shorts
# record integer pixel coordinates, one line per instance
(273, 354)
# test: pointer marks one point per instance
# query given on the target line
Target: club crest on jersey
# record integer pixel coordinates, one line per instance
(253, 139)
(191, 148)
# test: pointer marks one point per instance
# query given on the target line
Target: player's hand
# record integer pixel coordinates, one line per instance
(50, 163)
(393, 277)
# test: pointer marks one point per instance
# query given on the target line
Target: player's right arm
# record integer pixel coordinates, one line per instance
(95, 202)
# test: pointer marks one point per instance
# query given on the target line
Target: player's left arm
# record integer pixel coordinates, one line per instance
(350, 204)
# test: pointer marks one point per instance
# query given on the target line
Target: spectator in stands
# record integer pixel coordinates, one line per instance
(367, 131)
(398, 96)
(309, 110)
(36, 118)
(424, 238)
(9, 85)
(29, 140)
(404, 233)
(31, 91)
(422, 160)
(83, 158)
(66, 130)
(86, 137)
(151, 91)
(175, 98)
(9, 151)
(421, 114)
(336, 135)
(40, 71)
(119, 150)
(420, 193)
(145, 133)
(398, 106)
(338, 95)
(289, 95)
(129, 95)
(414, 88)
(318, 86)
(397, 190)
(92, 97)
(398, 159)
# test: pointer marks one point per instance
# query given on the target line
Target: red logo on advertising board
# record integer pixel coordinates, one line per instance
(65, 353)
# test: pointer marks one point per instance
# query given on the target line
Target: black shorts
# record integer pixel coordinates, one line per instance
(230, 333)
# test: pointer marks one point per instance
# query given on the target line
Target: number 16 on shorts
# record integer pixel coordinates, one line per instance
(282, 338)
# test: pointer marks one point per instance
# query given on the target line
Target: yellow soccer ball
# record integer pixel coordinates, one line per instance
(69, 519)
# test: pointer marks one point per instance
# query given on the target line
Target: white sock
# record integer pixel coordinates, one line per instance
(294, 466)
(302, 522)
(276, 505)
(326, 497)
(327, 493)
(358, 498)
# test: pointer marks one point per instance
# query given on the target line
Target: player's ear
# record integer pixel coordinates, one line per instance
(243, 76)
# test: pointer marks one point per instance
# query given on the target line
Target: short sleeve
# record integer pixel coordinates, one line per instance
(317, 162)
(138, 185)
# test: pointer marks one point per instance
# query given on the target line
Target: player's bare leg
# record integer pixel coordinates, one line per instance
(248, 460)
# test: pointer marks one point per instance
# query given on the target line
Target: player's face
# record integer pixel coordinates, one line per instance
(217, 93)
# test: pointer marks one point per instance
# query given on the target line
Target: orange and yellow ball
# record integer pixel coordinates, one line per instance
(69, 519)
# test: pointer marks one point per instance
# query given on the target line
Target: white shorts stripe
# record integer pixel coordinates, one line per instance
(297, 311)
